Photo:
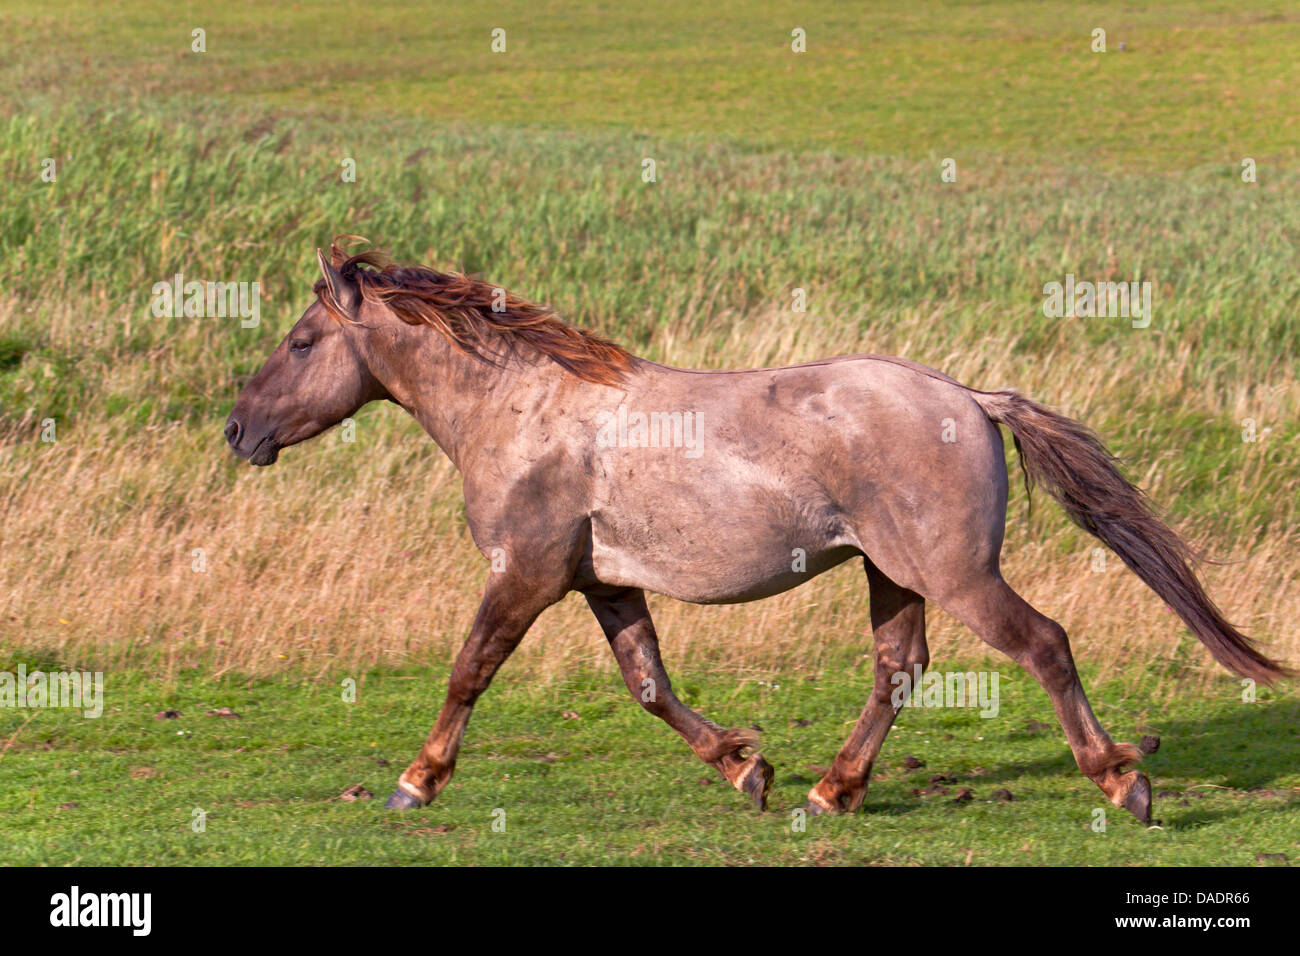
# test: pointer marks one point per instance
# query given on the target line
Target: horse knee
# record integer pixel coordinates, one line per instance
(908, 660)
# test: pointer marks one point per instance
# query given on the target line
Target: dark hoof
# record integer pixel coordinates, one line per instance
(1138, 801)
(401, 800)
(758, 782)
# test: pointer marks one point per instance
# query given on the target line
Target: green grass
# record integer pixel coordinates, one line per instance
(1197, 83)
(616, 786)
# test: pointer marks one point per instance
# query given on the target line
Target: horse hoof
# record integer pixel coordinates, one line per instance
(758, 781)
(401, 800)
(1138, 801)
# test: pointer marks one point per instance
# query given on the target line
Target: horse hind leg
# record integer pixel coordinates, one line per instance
(625, 619)
(1004, 620)
(898, 625)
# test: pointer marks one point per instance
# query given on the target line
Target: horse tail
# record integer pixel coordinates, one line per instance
(1071, 462)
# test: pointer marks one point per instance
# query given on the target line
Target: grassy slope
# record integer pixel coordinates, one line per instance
(1198, 83)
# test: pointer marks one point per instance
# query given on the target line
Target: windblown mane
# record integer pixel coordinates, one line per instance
(461, 308)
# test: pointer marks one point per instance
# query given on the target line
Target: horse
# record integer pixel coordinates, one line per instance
(588, 469)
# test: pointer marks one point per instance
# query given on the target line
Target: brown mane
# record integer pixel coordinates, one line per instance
(461, 308)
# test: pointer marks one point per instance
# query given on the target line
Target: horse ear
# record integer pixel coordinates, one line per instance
(341, 290)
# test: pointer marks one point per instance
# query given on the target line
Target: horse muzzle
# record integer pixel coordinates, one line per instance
(262, 451)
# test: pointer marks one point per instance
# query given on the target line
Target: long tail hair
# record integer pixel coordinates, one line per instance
(1072, 463)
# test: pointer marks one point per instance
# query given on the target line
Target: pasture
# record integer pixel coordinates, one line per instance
(134, 544)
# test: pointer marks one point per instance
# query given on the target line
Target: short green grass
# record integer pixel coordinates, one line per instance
(613, 785)
(1193, 83)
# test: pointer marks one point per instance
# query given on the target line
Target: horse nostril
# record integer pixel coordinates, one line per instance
(233, 432)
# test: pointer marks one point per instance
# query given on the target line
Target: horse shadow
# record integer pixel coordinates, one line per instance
(1249, 749)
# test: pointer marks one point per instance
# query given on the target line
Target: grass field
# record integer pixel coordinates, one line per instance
(776, 171)
(608, 783)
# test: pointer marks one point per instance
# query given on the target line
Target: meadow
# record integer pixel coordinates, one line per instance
(134, 544)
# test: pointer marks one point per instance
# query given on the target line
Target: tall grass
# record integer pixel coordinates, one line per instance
(346, 555)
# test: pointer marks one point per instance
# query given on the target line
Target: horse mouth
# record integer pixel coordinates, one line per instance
(265, 453)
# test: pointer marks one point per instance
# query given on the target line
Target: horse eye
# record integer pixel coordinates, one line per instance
(299, 346)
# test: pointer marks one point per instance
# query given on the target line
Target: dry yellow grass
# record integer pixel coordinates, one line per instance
(116, 548)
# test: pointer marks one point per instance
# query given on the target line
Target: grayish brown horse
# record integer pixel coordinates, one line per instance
(588, 469)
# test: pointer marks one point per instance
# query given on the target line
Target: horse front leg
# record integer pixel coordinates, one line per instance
(508, 609)
(625, 619)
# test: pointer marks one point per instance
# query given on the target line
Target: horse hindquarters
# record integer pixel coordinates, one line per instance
(942, 540)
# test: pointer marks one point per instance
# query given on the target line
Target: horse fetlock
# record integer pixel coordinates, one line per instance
(727, 747)
(1104, 764)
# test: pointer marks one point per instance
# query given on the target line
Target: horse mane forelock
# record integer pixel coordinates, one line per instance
(461, 309)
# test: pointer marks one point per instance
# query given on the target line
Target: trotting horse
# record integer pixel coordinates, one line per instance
(588, 469)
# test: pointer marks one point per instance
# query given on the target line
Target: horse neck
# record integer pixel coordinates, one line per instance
(453, 395)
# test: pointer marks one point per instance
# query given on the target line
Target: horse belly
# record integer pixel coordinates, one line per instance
(711, 562)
